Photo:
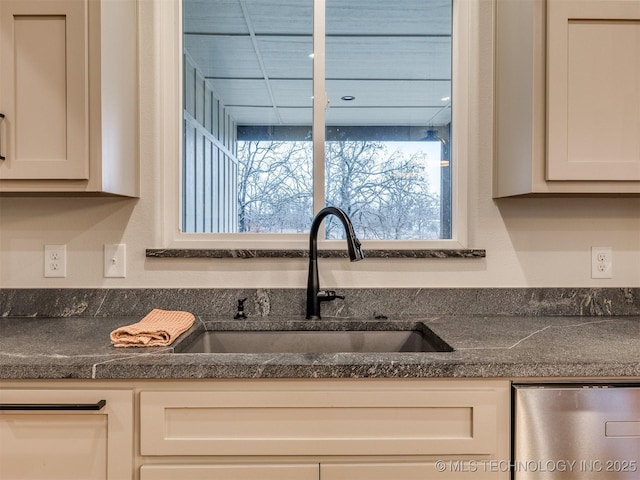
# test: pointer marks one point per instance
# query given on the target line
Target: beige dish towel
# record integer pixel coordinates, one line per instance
(158, 329)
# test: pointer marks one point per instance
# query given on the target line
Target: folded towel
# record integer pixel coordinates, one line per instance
(158, 329)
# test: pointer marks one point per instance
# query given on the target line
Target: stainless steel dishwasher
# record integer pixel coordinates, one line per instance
(576, 431)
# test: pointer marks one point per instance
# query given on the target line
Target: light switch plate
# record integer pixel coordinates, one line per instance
(115, 260)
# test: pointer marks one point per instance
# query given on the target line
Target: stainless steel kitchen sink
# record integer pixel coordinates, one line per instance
(317, 341)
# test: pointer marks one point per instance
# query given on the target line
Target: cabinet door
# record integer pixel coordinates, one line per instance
(43, 435)
(362, 420)
(230, 472)
(593, 60)
(44, 89)
(436, 469)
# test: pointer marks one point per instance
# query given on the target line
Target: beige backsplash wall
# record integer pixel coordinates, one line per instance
(535, 242)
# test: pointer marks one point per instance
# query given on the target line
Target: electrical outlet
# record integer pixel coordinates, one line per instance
(601, 262)
(55, 260)
(115, 260)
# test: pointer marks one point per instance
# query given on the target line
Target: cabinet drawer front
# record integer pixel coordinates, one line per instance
(44, 446)
(437, 469)
(66, 443)
(319, 422)
(230, 472)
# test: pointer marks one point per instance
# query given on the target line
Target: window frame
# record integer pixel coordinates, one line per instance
(170, 54)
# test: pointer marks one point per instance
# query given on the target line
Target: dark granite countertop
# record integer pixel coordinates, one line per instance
(484, 346)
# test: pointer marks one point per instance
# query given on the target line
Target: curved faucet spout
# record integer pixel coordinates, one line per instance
(313, 283)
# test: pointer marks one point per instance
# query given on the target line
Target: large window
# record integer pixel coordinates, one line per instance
(264, 146)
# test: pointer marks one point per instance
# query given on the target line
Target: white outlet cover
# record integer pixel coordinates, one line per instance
(115, 260)
(55, 261)
(601, 262)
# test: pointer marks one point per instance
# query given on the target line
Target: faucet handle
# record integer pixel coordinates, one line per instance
(328, 295)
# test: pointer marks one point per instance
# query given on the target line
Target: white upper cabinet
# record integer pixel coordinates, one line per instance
(44, 90)
(68, 93)
(567, 97)
(593, 90)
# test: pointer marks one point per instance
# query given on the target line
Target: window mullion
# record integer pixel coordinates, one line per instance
(319, 105)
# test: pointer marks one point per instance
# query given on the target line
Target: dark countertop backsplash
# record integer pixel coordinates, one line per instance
(359, 303)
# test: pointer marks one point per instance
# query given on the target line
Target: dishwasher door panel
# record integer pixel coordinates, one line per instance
(576, 432)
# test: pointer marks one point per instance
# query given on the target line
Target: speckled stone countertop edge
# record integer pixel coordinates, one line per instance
(484, 347)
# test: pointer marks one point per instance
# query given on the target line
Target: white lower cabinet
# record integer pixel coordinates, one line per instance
(255, 429)
(66, 434)
(327, 429)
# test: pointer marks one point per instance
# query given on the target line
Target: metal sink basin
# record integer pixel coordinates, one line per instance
(317, 341)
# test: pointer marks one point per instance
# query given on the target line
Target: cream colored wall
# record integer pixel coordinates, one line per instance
(535, 242)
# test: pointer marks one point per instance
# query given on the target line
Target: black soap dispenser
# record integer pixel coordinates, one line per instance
(240, 315)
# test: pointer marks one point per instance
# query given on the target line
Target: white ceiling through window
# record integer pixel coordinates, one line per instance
(393, 56)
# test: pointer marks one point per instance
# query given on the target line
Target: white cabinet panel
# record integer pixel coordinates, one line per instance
(383, 429)
(442, 470)
(69, 96)
(37, 442)
(593, 96)
(448, 469)
(230, 472)
(364, 421)
(567, 97)
(44, 89)
(45, 446)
